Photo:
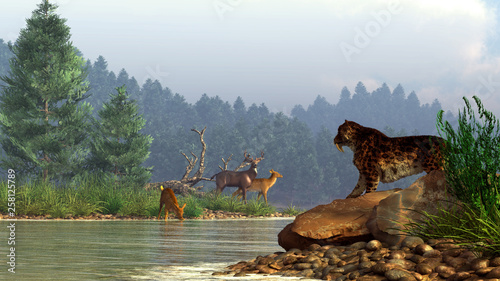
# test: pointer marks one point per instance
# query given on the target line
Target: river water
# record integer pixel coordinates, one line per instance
(136, 250)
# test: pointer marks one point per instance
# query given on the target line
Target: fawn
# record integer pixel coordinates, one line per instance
(168, 199)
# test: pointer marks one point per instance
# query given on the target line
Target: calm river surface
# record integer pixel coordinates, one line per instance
(136, 250)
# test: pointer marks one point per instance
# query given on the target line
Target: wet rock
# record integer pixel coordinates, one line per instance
(265, 269)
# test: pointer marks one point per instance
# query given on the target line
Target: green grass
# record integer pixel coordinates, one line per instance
(463, 224)
(93, 195)
(292, 210)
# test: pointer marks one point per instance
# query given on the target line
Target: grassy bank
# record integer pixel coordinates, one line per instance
(94, 196)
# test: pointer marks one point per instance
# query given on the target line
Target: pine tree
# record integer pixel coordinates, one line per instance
(42, 118)
(118, 147)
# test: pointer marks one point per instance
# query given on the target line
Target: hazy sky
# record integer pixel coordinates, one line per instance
(287, 52)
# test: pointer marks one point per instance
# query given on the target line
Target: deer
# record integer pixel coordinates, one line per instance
(170, 201)
(261, 185)
(240, 179)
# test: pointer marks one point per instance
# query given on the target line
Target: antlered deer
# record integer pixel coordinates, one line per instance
(261, 185)
(241, 179)
(170, 201)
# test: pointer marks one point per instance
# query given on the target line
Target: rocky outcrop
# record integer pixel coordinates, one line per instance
(342, 221)
(427, 194)
(375, 215)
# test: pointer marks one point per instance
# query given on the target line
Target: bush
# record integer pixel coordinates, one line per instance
(472, 157)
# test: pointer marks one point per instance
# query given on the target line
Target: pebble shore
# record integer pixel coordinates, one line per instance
(207, 215)
(412, 260)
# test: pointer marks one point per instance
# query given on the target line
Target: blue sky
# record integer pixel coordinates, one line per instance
(286, 52)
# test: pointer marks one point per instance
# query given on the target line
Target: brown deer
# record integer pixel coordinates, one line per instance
(261, 185)
(168, 199)
(240, 179)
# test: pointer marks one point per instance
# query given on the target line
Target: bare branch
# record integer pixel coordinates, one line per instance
(200, 171)
(225, 162)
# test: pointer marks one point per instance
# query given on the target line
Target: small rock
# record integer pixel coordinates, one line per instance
(302, 266)
(495, 262)
(494, 273)
(396, 274)
(398, 254)
(350, 268)
(373, 245)
(240, 274)
(444, 271)
(354, 275)
(459, 276)
(483, 271)
(452, 252)
(479, 263)
(422, 248)
(307, 273)
(456, 262)
(313, 247)
(365, 265)
(423, 268)
(265, 269)
(432, 254)
(411, 242)
(358, 245)
(382, 268)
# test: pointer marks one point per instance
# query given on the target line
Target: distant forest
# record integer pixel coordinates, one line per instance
(300, 146)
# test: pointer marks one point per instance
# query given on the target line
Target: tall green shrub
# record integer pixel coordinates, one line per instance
(472, 157)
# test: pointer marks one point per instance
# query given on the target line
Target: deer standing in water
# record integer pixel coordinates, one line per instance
(261, 185)
(170, 201)
(240, 179)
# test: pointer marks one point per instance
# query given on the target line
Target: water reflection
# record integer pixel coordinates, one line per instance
(125, 250)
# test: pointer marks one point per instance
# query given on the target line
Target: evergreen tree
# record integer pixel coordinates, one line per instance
(5, 55)
(118, 147)
(43, 120)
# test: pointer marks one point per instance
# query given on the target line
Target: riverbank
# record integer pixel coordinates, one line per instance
(207, 215)
(412, 260)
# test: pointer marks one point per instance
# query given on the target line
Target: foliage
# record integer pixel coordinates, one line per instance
(43, 121)
(292, 210)
(471, 163)
(472, 157)
(463, 224)
(117, 146)
(298, 146)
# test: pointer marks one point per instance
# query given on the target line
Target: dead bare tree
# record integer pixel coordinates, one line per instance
(187, 182)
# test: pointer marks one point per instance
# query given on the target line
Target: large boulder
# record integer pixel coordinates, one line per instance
(429, 193)
(342, 221)
(377, 215)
